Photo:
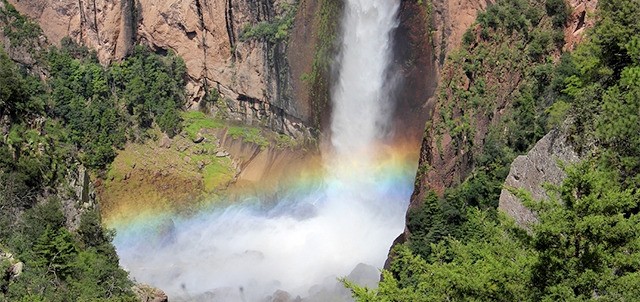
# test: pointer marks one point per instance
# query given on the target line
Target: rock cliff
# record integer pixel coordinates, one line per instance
(458, 124)
(451, 18)
(252, 74)
(445, 162)
(263, 78)
(540, 166)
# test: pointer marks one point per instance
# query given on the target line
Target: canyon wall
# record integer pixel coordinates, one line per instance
(445, 163)
(252, 73)
(458, 126)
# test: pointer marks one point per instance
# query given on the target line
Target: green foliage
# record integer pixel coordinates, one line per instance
(61, 265)
(492, 267)
(82, 112)
(248, 134)
(19, 97)
(605, 88)
(19, 29)
(559, 11)
(510, 15)
(517, 111)
(153, 87)
(557, 113)
(433, 221)
(585, 244)
(89, 98)
(490, 81)
(196, 120)
(273, 31)
(55, 251)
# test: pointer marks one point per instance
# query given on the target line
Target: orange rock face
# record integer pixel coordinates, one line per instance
(205, 33)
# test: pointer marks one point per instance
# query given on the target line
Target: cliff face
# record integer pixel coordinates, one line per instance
(252, 74)
(445, 162)
(476, 89)
(451, 18)
(540, 166)
(446, 23)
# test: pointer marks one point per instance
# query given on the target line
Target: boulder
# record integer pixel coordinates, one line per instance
(147, 293)
(541, 165)
(280, 296)
(199, 138)
(16, 269)
(165, 141)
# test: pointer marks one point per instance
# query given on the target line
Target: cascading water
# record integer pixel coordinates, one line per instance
(315, 233)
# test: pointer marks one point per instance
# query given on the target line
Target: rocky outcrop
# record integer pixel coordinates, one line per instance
(146, 293)
(451, 18)
(582, 17)
(446, 158)
(444, 162)
(10, 269)
(540, 166)
(24, 50)
(77, 194)
(253, 75)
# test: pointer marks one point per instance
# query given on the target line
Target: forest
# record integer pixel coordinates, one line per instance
(80, 114)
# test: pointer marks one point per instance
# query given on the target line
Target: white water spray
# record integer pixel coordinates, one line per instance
(361, 107)
(246, 252)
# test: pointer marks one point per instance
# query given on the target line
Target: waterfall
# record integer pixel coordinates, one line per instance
(361, 108)
(314, 233)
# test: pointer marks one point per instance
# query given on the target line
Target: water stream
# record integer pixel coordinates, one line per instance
(316, 231)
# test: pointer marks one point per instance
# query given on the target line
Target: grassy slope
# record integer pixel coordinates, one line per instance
(167, 173)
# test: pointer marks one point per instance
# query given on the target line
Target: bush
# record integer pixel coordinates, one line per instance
(559, 11)
(274, 31)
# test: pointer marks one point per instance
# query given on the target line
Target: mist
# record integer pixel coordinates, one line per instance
(341, 225)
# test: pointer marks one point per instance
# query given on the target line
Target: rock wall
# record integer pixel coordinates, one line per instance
(441, 164)
(446, 23)
(78, 195)
(541, 165)
(451, 18)
(253, 75)
(413, 72)
(445, 165)
(582, 18)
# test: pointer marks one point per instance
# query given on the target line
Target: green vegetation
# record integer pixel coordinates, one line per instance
(22, 32)
(196, 120)
(218, 174)
(251, 135)
(103, 107)
(273, 31)
(60, 265)
(78, 115)
(506, 44)
(328, 23)
(585, 244)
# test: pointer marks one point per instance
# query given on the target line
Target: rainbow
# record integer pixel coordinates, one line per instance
(393, 167)
(176, 247)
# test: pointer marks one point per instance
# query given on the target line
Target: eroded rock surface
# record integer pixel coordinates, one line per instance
(542, 165)
(148, 293)
(251, 74)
